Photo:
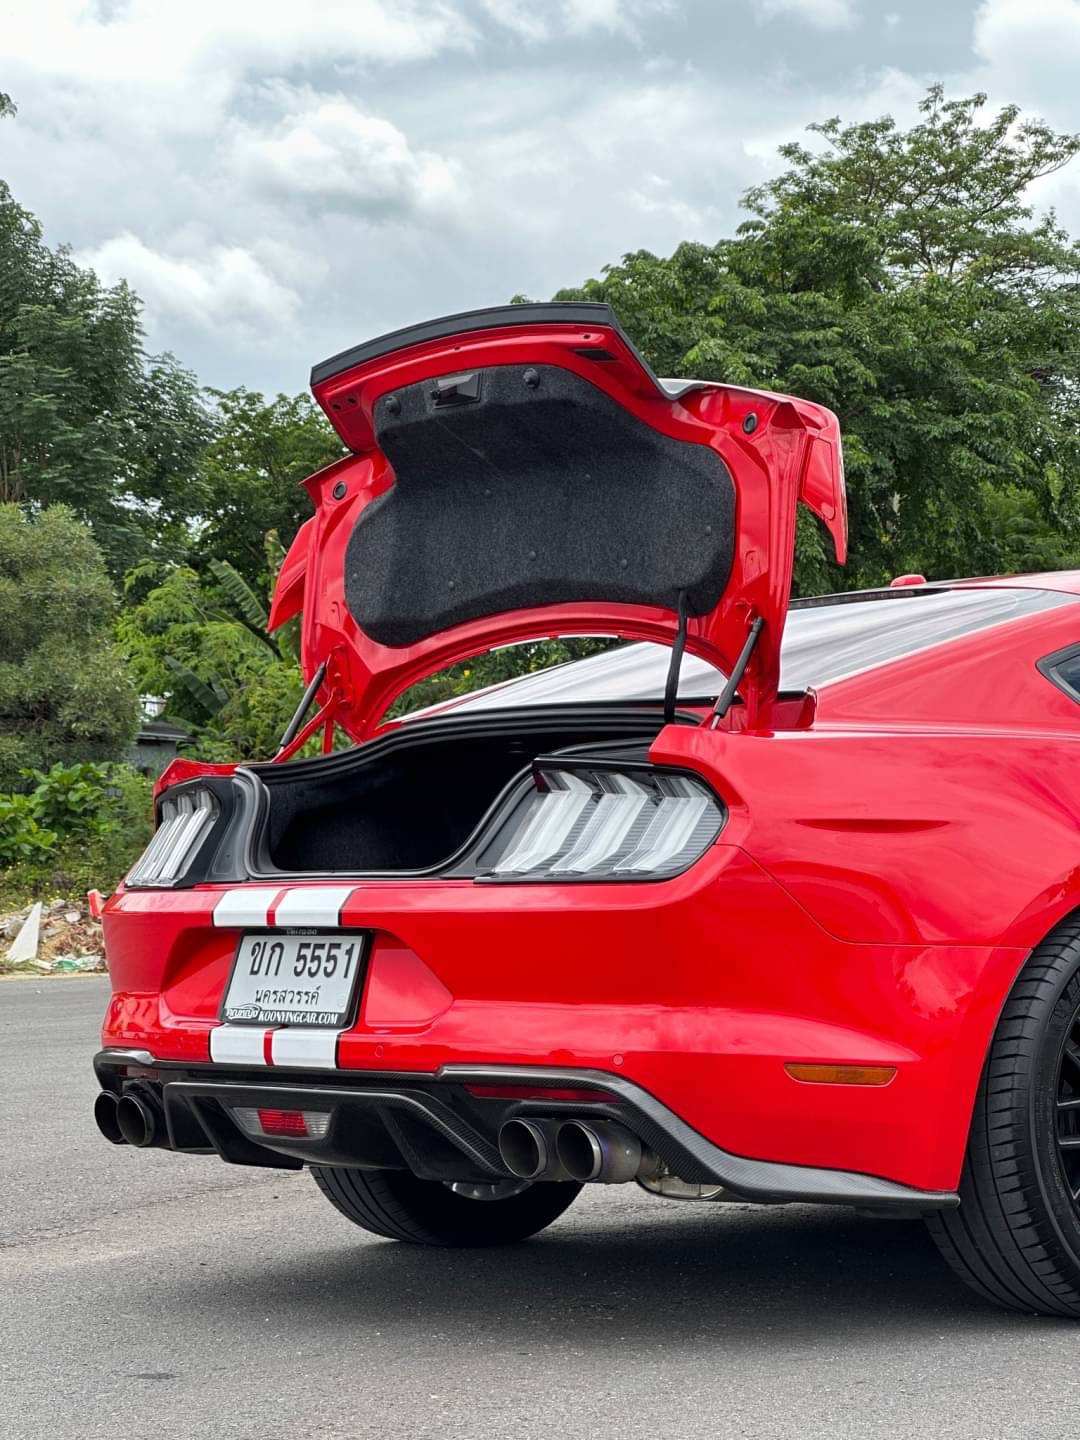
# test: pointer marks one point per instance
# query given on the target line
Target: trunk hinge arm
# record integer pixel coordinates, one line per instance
(727, 695)
(671, 687)
(297, 734)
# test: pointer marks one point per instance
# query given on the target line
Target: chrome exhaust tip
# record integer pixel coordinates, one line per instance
(528, 1149)
(138, 1120)
(598, 1150)
(105, 1118)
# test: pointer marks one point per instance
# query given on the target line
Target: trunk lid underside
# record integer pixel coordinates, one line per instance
(521, 473)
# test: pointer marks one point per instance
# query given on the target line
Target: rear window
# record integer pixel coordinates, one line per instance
(1063, 670)
(825, 640)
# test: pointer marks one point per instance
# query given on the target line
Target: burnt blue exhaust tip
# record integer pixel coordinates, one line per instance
(138, 1120)
(528, 1150)
(105, 1118)
(598, 1150)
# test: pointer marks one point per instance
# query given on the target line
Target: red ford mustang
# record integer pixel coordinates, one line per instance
(779, 903)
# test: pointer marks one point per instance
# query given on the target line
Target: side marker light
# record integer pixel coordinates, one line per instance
(841, 1074)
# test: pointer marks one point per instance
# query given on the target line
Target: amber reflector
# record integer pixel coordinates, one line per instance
(842, 1074)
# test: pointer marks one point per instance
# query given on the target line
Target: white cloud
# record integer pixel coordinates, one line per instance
(1031, 49)
(821, 14)
(224, 290)
(518, 16)
(176, 67)
(279, 180)
(536, 23)
(581, 16)
(1029, 53)
(330, 154)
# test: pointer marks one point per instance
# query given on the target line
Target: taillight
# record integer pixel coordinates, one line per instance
(186, 819)
(592, 823)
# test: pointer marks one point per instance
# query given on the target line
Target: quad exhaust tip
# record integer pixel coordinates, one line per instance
(599, 1150)
(528, 1149)
(595, 1150)
(105, 1118)
(133, 1118)
(138, 1119)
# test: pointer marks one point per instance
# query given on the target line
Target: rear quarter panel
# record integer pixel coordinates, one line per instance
(929, 821)
(936, 799)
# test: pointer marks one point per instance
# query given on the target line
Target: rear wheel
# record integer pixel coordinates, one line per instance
(399, 1206)
(1016, 1236)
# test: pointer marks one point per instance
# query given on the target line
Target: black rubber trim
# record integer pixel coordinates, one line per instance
(857, 597)
(578, 312)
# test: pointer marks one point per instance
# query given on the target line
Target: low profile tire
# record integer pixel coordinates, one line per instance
(399, 1206)
(1016, 1237)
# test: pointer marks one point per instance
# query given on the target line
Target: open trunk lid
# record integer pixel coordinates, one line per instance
(520, 473)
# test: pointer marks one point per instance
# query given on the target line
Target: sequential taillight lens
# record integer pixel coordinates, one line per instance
(186, 820)
(599, 824)
(282, 1124)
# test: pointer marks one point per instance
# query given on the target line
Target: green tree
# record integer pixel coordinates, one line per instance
(200, 640)
(900, 277)
(86, 419)
(65, 695)
(251, 472)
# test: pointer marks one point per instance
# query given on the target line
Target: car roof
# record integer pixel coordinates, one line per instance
(828, 639)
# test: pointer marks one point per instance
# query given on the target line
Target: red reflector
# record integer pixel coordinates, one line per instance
(539, 1092)
(283, 1122)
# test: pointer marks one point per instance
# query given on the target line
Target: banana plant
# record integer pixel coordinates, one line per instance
(244, 606)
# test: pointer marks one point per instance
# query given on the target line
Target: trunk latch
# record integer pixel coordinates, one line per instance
(456, 390)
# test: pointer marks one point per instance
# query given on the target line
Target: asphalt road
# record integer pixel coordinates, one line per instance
(148, 1296)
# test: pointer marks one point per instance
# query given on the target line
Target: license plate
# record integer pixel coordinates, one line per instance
(283, 979)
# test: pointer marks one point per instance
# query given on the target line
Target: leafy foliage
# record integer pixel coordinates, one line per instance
(22, 837)
(80, 827)
(900, 278)
(251, 475)
(201, 639)
(65, 695)
(71, 799)
(85, 419)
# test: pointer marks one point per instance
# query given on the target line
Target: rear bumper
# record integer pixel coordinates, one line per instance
(697, 990)
(435, 1126)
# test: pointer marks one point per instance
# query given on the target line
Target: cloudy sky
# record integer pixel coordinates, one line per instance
(279, 180)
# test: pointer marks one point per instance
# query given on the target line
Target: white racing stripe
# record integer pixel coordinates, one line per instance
(247, 906)
(312, 905)
(311, 1049)
(299, 907)
(237, 1045)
